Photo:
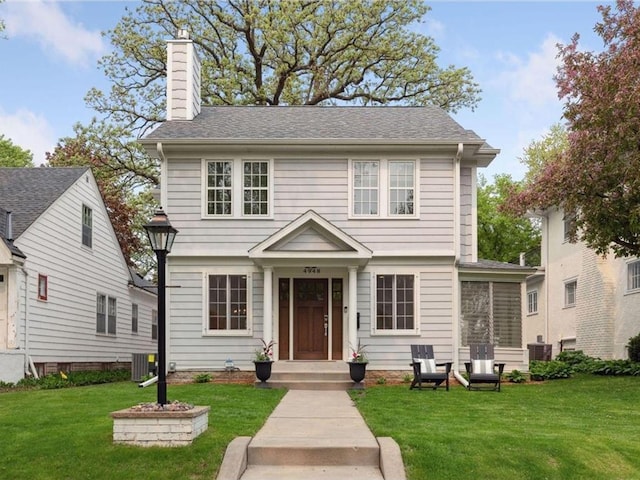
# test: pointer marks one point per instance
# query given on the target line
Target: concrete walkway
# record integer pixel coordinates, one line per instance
(313, 435)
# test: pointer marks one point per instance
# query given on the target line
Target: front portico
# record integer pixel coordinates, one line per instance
(310, 288)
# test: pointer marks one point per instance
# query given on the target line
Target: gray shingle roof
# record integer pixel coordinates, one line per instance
(482, 264)
(426, 123)
(3, 235)
(28, 192)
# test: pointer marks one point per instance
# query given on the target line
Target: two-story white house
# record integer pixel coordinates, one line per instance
(68, 300)
(580, 300)
(322, 228)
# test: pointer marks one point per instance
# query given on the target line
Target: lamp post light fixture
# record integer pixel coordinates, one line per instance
(161, 236)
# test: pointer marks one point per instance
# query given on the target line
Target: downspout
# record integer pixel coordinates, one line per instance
(163, 175)
(456, 283)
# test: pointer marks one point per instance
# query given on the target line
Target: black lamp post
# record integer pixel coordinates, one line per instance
(161, 235)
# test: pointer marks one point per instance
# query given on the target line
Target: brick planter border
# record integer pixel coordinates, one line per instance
(160, 428)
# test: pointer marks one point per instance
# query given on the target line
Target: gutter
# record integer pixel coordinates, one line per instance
(456, 283)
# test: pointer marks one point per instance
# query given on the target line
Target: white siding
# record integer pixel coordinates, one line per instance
(63, 328)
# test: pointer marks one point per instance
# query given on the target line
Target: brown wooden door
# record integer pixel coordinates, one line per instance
(310, 310)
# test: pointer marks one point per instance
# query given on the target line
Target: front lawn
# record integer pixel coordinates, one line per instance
(587, 427)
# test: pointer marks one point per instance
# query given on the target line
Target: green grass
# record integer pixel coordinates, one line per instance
(587, 427)
(584, 428)
(67, 434)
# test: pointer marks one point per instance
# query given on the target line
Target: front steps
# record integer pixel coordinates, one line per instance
(310, 375)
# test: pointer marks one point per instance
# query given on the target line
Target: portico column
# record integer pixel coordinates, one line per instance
(268, 305)
(353, 307)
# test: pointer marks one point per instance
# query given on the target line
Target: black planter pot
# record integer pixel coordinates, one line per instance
(263, 370)
(357, 371)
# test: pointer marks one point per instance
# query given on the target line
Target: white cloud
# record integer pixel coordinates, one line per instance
(46, 23)
(530, 81)
(29, 131)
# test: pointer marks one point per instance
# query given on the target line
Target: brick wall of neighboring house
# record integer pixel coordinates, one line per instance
(595, 306)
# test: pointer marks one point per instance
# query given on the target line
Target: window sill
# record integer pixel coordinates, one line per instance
(395, 333)
(226, 333)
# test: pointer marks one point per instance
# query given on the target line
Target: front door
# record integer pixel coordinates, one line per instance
(311, 319)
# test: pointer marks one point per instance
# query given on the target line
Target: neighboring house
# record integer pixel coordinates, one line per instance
(579, 300)
(323, 228)
(67, 298)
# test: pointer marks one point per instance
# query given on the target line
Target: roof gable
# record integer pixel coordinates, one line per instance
(28, 192)
(311, 236)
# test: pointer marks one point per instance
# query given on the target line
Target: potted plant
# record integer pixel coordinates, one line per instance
(263, 361)
(358, 363)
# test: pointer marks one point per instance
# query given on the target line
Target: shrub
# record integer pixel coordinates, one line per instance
(407, 378)
(549, 370)
(616, 367)
(202, 378)
(381, 381)
(516, 376)
(579, 362)
(633, 348)
(75, 379)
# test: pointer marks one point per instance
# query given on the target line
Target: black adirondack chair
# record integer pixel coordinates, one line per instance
(483, 369)
(426, 370)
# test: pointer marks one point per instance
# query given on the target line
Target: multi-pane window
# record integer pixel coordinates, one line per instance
(154, 324)
(633, 275)
(219, 187)
(532, 302)
(87, 226)
(134, 318)
(491, 313)
(255, 188)
(112, 309)
(570, 293)
(43, 287)
(568, 225)
(395, 302)
(228, 303)
(101, 313)
(365, 187)
(401, 188)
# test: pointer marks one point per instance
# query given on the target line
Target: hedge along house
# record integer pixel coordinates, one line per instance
(322, 228)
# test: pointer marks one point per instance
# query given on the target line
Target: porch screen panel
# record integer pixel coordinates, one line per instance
(507, 314)
(476, 313)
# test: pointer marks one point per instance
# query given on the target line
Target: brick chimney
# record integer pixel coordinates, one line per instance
(183, 78)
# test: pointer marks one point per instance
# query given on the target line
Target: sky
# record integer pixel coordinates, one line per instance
(49, 61)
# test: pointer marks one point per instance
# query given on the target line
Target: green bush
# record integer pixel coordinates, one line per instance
(75, 379)
(633, 348)
(579, 362)
(516, 376)
(202, 378)
(616, 367)
(549, 370)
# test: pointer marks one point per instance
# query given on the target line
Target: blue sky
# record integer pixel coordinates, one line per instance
(49, 62)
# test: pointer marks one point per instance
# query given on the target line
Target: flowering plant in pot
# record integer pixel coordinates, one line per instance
(263, 360)
(358, 363)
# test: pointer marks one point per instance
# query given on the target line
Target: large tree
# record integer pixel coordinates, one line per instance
(503, 236)
(597, 177)
(12, 155)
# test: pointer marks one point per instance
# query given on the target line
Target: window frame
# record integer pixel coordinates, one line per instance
(238, 188)
(568, 222)
(154, 324)
(374, 304)
(532, 294)
(101, 313)
(633, 277)
(135, 312)
(384, 188)
(249, 304)
(43, 287)
(567, 284)
(87, 228)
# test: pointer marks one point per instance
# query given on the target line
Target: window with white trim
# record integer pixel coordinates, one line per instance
(532, 302)
(570, 293)
(87, 226)
(383, 188)
(228, 303)
(491, 312)
(43, 287)
(154, 324)
(568, 225)
(106, 314)
(633, 275)
(237, 188)
(134, 318)
(395, 302)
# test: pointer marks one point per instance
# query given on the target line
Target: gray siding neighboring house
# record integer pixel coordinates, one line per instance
(321, 228)
(66, 294)
(584, 301)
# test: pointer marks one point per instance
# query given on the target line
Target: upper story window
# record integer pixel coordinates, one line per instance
(568, 225)
(383, 188)
(532, 302)
(134, 318)
(43, 287)
(570, 293)
(87, 226)
(238, 188)
(395, 302)
(154, 324)
(633, 275)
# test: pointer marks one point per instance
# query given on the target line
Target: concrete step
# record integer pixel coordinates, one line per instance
(307, 384)
(263, 472)
(310, 375)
